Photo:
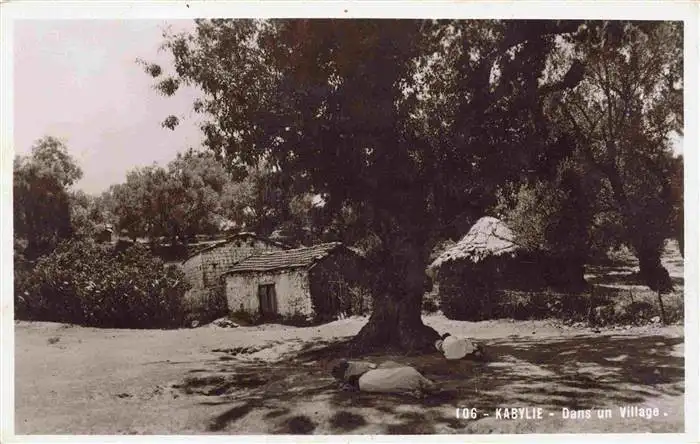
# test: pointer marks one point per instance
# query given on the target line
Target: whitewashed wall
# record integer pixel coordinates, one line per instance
(291, 288)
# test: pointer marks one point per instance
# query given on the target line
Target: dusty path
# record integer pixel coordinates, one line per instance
(271, 379)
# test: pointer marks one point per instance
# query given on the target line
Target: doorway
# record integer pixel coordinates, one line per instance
(268, 300)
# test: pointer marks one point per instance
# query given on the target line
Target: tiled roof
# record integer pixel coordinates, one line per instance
(277, 260)
(241, 235)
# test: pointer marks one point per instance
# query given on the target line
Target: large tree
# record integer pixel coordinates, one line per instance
(406, 127)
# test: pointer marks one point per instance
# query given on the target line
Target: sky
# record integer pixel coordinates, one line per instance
(79, 81)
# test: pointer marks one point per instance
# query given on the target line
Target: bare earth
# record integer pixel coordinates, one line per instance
(99, 381)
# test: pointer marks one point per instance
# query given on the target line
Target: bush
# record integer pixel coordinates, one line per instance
(523, 305)
(85, 283)
(245, 318)
(207, 309)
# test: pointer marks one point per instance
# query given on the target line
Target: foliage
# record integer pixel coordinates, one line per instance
(623, 116)
(205, 310)
(89, 284)
(430, 303)
(405, 128)
(41, 180)
(177, 202)
(49, 158)
(196, 182)
(595, 307)
(136, 202)
(259, 200)
(534, 208)
(553, 216)
(89, 214)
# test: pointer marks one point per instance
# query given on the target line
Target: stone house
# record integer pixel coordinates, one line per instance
(203, 268)
(311, 283)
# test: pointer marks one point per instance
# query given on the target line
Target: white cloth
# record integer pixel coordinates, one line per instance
(457, 348)
(395, 380)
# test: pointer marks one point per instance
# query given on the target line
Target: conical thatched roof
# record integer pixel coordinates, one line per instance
(487, 237)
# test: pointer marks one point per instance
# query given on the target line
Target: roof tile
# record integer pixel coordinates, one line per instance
(276, 260)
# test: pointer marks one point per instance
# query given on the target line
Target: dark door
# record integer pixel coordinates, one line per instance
(339, 297)
(268, 299)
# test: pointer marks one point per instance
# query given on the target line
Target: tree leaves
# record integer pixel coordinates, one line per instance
(176, 202)
(40, 192)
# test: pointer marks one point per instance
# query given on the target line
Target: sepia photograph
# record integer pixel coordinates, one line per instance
(349, 225)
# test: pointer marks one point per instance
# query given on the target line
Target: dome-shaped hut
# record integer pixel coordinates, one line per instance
(471, 274)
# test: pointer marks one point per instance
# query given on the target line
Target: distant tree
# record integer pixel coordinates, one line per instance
(40, 192)
(196, 181)
(405, 128)
(176, 202)
(89, 213)
(259, 200)
(139, 204)
(49, 157)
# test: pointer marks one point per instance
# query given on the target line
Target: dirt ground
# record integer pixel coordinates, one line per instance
(275, 379)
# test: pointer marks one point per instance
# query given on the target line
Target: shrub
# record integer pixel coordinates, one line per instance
(207, 309)
(245, 318)
(85, 283)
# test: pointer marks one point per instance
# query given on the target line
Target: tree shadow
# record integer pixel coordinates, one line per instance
(296, 425)
(587, 372)
(577, 372)
(344, 422)
(412, 423)
(230, 415)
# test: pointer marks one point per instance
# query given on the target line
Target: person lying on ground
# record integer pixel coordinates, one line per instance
(388, 377)
(453, 347)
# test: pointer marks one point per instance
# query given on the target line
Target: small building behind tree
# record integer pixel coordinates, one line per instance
(316, 283)
(472, 274)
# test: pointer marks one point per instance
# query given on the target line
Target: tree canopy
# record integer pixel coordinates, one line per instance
(176, 202)
(409, 129)
(41, 184)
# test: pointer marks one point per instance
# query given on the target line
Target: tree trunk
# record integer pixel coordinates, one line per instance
(648, 250)
(396, 321)
(396, 324)
(655, 276)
